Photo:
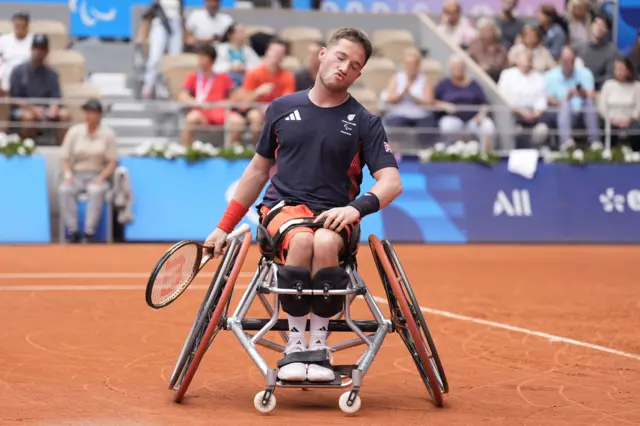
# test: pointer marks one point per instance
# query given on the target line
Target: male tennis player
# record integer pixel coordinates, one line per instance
(313, 147)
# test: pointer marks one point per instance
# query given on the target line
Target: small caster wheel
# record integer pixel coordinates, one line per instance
(342, 402)
(257, 402)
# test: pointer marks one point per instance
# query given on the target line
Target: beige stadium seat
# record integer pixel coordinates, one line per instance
(433, 69)
(253, 29)
(6, 27)
(299, 39)
(69, 64)
(175, 69)
(77, 94)
(392, 43)
(291, 63)
(377, 73)
(56, 30)
(367, 97)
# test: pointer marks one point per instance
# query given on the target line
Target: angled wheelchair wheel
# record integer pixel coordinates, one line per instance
(414, 306)
(406, 322)
(210, 318)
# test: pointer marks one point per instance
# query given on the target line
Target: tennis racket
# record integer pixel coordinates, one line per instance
(177, 268)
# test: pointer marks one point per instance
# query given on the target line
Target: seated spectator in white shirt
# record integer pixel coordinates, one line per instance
(206, 25)
(454, 26)
(306, 76)
(619, 102)
(524, 89)
(235, 55)
(15, 48)
(408, 95)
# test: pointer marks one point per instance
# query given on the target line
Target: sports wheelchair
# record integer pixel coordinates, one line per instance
(406, 319)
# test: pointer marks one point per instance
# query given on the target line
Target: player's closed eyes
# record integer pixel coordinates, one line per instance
(343, 58)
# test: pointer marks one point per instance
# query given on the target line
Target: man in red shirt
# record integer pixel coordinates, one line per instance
(262, 84)
(204, 87)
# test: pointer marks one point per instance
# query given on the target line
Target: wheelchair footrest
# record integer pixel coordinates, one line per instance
(340, 371)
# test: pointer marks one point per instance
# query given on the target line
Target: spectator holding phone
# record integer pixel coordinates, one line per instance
(570, 89)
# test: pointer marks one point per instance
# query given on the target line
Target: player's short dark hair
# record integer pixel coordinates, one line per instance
(353, 35)
(207, 50)
(21, 16)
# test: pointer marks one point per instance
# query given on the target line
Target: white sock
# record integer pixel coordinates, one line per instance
(319, 330)
(297, 329)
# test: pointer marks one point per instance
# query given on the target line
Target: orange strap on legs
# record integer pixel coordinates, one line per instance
(232, 216)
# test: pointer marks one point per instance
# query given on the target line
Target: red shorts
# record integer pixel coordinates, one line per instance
(287, 213)
(213, 116)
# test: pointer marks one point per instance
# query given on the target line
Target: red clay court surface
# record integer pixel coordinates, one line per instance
(80, 346)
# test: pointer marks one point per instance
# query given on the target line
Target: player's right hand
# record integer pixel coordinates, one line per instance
(215, 242)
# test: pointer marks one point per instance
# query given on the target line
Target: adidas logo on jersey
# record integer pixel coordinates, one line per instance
(294, 116)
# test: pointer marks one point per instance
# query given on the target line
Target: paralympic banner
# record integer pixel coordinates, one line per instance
(449, 203)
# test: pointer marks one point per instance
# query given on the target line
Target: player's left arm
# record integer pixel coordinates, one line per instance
(382, 164)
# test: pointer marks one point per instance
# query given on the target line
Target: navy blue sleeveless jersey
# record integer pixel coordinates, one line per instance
(319, 152)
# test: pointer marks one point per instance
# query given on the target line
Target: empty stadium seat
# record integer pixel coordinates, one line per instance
(56, 30)
(175, 69)
(253, 29)
(69, 64)
(291, 63)
(433, 69)
(6, 27)
(392, 43)
(299, 39)
(78, 93)
(367, 97)
(377, 73)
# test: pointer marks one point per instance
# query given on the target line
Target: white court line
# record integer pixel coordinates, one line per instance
(438, 312)
(92, 275)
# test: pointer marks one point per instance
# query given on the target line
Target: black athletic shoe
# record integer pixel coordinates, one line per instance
(74, 237)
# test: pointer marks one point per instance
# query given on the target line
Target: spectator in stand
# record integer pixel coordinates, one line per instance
(600, 54)
(532, 41)
(408, 94)
(619, 101)
(235, 55)
(459, 29)
(15, 48)
(524, 89)
(262, 84)
(35, 79)
(510, 26)
(206, 25)
(204, 87)
(306, 76)
(89, 158)
(487, 51)
(554, 29)
(162, 25)
(465, 106)
(571, 89)
(634, 53)
(579, 18)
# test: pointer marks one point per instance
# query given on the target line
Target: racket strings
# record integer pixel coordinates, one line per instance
(176, 271)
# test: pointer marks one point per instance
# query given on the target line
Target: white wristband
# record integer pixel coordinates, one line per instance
(68, 175)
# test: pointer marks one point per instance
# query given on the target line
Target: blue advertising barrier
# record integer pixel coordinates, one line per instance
(24, 210)
(441, 203)
(627, 23)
